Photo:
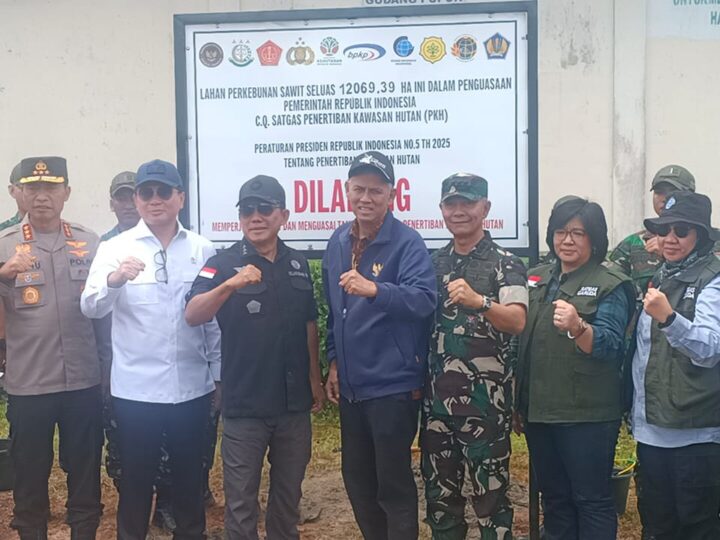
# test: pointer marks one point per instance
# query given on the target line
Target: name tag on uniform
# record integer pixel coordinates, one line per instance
(23, 279)
(588, 291)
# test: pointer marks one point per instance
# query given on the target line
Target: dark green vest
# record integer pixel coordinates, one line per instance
(556, 381)
(679, 394)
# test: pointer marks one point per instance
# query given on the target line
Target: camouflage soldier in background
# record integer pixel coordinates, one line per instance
(482, 301)
(638, 256)
(16, 193)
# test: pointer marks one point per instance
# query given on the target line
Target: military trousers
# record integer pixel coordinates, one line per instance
(679, 491)
(376, 438)
(33, 419)
(477, 448)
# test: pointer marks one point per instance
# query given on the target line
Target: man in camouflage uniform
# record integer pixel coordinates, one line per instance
(638, 256)
(482, 301)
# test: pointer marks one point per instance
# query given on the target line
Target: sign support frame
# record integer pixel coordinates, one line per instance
(183, 137)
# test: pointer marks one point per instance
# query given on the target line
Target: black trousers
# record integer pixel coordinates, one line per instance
(78, 415)
(573, 464)
(377, 465)
(679, 491)
(140, 428)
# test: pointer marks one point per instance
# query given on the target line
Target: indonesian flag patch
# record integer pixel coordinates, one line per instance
(533, 281)
(207, 272)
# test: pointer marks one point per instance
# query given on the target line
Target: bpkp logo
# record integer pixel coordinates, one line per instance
(364, 52)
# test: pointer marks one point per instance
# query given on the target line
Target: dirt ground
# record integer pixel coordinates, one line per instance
(325, 508)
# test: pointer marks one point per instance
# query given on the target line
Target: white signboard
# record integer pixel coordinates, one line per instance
(297, 100)
(687, 19)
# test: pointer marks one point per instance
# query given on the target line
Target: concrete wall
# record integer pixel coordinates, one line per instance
(92, 80)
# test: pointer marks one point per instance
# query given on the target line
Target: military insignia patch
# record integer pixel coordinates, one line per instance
(23, 248)
(76, 244)
(27, 232)
(30, 296)
(376, 269)
(253, 306)
(78, 252)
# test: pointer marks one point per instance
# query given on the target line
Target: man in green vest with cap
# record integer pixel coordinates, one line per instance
(482, 302)
(638, 255)
(676, 377)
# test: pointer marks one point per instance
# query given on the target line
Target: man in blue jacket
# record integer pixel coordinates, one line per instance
(381, 292)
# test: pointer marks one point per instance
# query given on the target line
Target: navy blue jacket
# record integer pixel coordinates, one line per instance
(380, 344)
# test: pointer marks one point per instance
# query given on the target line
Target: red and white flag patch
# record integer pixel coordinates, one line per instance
(533, 281)
(208, 272)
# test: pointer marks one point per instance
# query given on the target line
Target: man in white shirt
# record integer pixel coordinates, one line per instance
(164, 372)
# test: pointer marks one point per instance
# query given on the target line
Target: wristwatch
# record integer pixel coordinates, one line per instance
(487, 304)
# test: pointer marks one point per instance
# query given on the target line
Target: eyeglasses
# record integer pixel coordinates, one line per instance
(161, 274)
(146, 193)
(264, 209)
(577, 235)
(681, 230)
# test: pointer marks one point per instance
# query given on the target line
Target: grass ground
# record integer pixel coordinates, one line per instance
(325, 506)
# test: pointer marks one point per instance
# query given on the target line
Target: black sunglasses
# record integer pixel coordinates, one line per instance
(146, 193)
(681, 230)
(161, 273)
(264, 209)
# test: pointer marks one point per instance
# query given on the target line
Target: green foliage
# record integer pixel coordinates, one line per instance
(316, 272)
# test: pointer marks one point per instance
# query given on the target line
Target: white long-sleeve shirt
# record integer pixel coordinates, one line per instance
(157, 356)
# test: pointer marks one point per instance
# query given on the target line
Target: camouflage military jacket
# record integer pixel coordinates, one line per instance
(634, 261)
(17, 218)
(469, 366)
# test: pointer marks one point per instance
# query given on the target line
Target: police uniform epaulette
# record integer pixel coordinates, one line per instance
(80, 227)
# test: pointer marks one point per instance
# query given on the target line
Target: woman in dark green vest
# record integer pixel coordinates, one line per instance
(569, 381)
(676, 378)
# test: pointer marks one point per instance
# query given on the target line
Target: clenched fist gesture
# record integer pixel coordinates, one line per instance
(19, 262)
(128, 270)
(354, 283)
(657, 305)
(566, 317)
(462, 293)
(247, 275)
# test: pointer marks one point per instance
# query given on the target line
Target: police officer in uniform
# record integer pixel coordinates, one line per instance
(482, 301)
(638, 255)
(53, 372)
(262, 293)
